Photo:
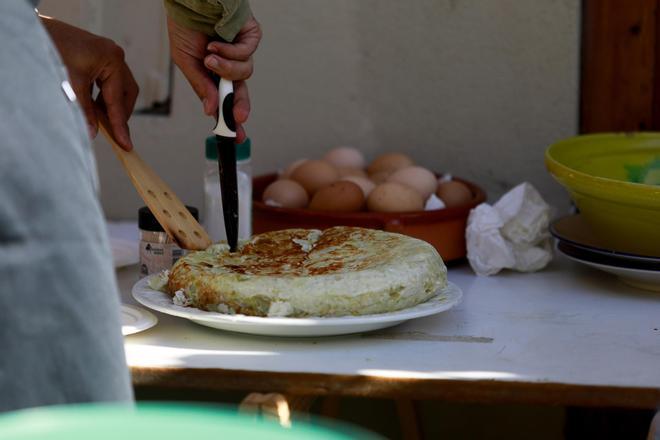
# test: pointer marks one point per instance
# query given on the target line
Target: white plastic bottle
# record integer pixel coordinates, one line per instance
(213, 219)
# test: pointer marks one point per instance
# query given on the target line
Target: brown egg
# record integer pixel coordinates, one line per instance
(340, 196)
(380, 177)
(365, 184)
(314, 174)
(454, 193)
(389, 162)
(285, 193)
(351, 171)
(286, 174)
(394, 197)
(418, 178)
(345, 157)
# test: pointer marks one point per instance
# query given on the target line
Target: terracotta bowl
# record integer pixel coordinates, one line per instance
(443, 228)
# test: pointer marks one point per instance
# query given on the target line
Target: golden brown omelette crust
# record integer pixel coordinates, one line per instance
(276, 253)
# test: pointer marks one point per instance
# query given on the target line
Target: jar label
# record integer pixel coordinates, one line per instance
(156, 257)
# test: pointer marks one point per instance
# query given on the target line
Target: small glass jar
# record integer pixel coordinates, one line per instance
(157, 250)
(214, 222)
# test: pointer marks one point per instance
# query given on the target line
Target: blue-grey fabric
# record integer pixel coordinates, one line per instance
(60, 331)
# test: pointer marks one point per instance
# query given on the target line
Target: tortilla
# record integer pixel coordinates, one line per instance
(301, 272)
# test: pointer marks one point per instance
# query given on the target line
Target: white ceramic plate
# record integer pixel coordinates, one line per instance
(640, 278)
(443, 300)
(136, 319)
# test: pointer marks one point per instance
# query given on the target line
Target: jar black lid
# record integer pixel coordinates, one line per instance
(147, 221)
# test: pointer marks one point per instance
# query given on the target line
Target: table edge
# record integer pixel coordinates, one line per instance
(452, 390)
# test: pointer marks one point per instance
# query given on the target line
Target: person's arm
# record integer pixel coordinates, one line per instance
(193, 27)
(91, 59)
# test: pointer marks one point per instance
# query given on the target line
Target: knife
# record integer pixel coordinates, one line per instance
(225, 137)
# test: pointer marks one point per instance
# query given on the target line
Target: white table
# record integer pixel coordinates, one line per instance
(565, 336)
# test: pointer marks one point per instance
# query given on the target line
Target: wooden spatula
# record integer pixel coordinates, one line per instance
(172, 215)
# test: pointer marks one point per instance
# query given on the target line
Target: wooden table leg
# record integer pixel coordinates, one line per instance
(408, 419)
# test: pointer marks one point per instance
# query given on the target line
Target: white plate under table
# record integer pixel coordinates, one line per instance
(569, 335)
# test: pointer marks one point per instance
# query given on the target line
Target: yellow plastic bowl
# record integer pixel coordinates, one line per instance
(614, 179)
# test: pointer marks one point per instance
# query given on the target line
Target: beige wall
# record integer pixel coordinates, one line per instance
(475, 88)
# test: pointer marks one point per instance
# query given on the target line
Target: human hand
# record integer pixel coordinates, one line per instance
(91, 59)
(195, 54)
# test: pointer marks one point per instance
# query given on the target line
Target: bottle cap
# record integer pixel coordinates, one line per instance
(242, 150)
(147, 221)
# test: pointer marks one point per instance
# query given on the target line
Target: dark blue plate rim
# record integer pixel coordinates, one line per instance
(583, 254)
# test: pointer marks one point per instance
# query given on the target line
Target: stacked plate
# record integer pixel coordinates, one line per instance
(576, 241)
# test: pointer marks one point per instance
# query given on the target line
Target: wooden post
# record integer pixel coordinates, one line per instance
(618, 66)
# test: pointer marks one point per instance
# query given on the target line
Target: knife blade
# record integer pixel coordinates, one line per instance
(225, 137)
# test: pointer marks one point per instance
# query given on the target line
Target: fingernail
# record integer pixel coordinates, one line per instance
(93, 130)
(240, 116)
(212, 62)
(124, 140)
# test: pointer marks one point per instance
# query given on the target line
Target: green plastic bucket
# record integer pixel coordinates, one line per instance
(162, 422)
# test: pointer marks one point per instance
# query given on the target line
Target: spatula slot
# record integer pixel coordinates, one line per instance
(167, 195)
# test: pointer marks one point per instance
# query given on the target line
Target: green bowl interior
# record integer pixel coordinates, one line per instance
(633, 158)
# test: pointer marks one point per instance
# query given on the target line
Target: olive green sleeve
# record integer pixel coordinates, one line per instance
(212, 17)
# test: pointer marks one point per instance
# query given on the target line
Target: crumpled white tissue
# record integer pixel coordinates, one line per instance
(512, 234)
